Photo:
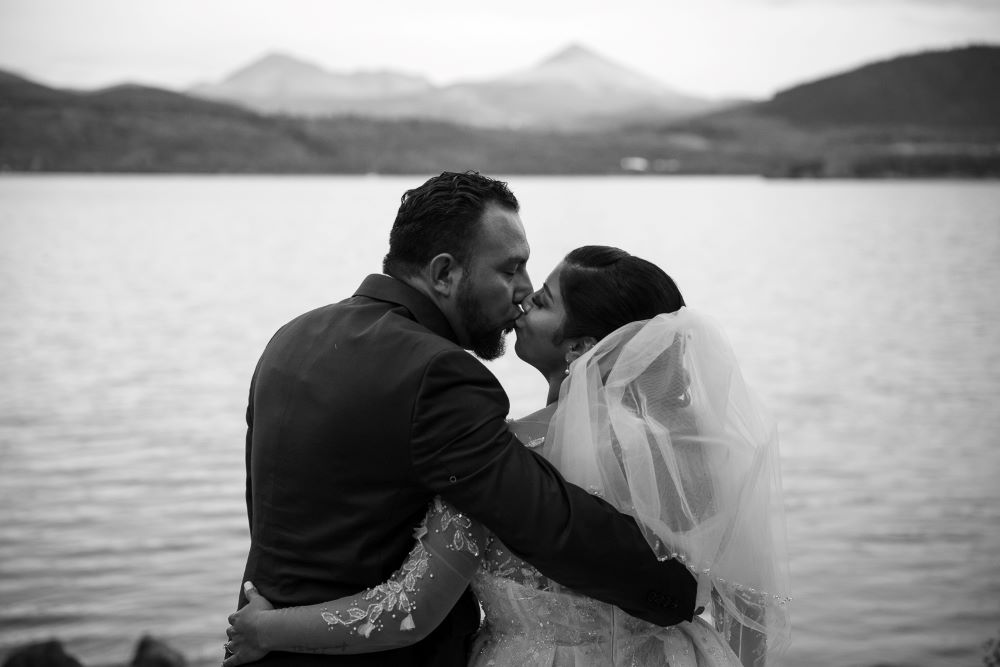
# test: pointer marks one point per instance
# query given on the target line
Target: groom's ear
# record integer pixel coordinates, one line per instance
(443, 274)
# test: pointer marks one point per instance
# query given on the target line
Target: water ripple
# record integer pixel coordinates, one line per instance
(132, 312)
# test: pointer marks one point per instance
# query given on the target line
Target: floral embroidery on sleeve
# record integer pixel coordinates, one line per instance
(390, 596)
(461, 539)
(398, 593)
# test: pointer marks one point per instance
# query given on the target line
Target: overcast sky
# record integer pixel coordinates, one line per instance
(747, 48)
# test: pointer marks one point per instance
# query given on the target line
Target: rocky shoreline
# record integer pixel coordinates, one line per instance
(149, 652)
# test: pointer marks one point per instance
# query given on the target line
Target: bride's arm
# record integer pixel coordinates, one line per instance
(398, 612)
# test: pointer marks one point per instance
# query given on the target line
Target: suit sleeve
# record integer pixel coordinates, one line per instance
(463, 450)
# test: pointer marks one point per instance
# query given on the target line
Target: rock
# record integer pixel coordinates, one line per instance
(42, 654)
(151, 652)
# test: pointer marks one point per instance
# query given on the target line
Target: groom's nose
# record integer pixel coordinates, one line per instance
(522, 286)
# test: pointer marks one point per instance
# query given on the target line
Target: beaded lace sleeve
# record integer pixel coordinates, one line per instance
(398, 612)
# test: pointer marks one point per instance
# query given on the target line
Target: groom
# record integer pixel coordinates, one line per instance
(362, 411)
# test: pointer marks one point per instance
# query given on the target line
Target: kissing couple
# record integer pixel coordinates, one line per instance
(634, 520)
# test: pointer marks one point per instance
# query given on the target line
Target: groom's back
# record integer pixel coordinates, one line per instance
(331, 494)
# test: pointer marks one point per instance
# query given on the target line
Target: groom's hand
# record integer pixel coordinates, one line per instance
(244, 643)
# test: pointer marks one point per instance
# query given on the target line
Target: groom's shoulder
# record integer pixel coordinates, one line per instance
(432, 351)
(423, 350)
(383, 333)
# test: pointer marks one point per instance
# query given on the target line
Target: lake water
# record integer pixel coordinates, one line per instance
(133, 309)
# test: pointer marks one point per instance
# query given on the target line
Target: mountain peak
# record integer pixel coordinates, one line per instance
(277, 62)
(582, 68)
(281, 82)
(572, 52)
(278, 58)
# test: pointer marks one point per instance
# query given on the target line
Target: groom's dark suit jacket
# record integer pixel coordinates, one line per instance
(359, 414)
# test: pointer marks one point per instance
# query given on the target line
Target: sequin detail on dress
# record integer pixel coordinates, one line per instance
(534, 443)
(503, 564)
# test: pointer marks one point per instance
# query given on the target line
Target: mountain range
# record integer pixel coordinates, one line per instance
(957, 88)
(928, 114)
(575, 88)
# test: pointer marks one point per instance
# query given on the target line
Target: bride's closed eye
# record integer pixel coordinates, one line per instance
(530, 302)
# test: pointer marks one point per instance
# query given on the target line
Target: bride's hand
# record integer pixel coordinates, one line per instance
(244, 642)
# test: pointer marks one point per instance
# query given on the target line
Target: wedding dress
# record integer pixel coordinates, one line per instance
(530, 621)
(656, 420)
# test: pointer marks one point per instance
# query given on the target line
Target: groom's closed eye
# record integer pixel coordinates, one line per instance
(513, 267)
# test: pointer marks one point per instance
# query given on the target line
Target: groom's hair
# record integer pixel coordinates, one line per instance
(604, 288)
(442, 216)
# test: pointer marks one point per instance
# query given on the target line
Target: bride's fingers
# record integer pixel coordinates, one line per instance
(234, 654)
(250, 591)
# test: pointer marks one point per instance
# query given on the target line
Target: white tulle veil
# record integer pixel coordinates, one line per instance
(657, 420)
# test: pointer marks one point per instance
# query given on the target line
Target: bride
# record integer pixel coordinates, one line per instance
(647, 409)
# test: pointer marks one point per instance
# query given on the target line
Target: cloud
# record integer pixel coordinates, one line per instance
(988, 6)
(708, 47)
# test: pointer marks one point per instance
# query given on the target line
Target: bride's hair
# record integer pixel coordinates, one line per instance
(604, 288)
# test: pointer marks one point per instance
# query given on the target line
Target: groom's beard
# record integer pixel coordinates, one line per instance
(485, 340)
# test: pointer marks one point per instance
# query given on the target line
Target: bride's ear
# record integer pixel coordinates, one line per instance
(579, 347)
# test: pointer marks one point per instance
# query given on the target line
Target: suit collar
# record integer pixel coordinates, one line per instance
(392, 290)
